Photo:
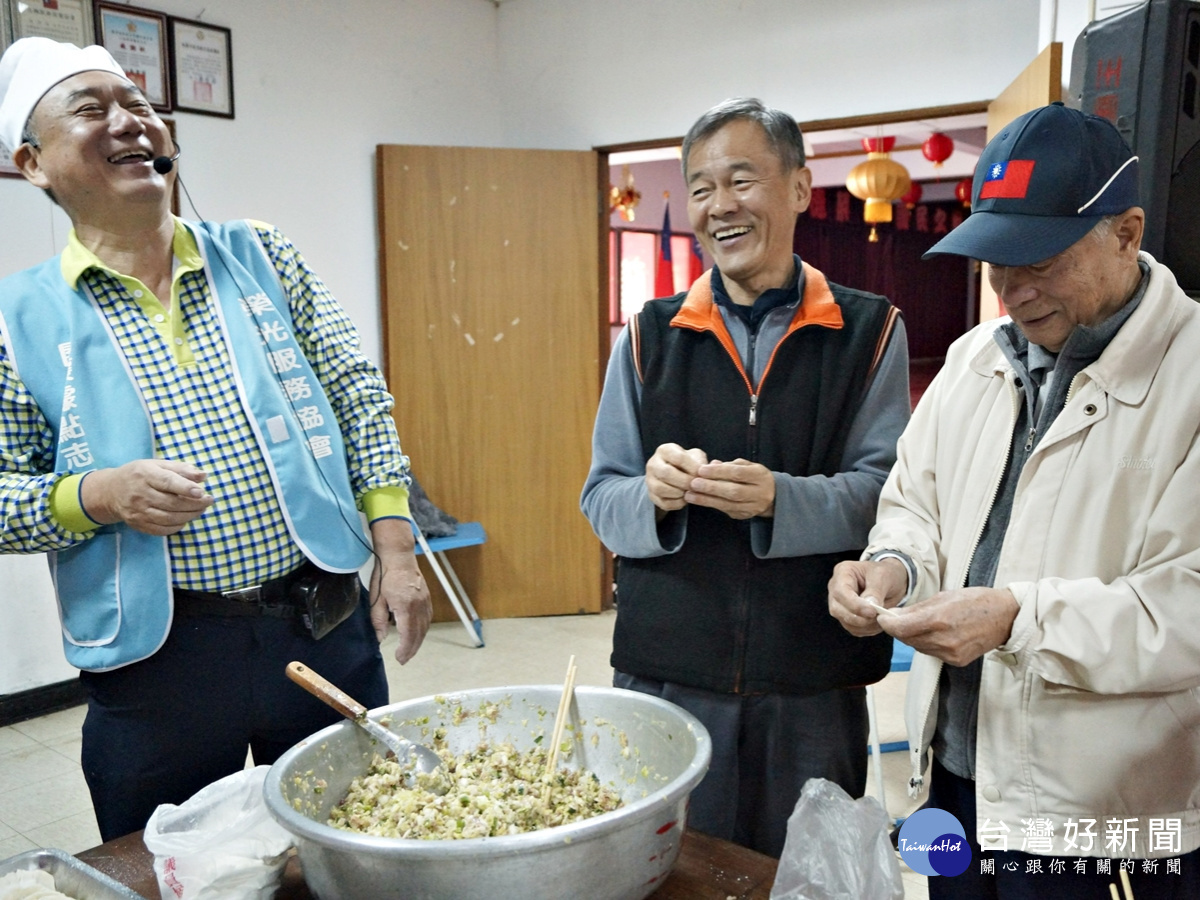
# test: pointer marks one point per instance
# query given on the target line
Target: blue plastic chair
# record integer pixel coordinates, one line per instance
(467, 534)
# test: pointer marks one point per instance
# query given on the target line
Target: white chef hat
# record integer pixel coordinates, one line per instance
(33, 65)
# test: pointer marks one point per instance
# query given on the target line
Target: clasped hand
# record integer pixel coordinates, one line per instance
(956, 626)
(741, 489)
(154, 496)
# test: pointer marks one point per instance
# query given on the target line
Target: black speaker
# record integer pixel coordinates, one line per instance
(1140, 69)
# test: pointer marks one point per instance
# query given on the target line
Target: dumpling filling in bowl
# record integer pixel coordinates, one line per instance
(494, 790)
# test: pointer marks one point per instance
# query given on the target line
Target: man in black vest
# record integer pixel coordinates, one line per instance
(745, 430)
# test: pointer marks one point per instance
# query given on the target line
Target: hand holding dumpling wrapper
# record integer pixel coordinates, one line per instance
(879, 606)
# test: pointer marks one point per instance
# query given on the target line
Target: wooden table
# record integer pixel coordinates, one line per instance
(707, 869)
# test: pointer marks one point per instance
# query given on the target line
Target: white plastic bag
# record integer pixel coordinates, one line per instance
(221, 844)
(837, 848)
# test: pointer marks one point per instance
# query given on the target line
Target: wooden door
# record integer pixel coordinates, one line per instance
(1039, 84)
(489, 263)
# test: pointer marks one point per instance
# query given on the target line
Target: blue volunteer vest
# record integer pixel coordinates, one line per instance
(114, 589)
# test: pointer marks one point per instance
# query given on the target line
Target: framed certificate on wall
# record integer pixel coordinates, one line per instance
(202, 62)
(137, 40)
(69, 21)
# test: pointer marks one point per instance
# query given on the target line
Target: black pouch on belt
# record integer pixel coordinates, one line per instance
(325, 599)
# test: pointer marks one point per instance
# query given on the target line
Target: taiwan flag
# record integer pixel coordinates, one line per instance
(664, 273)
(1007, 180)
(696, 261)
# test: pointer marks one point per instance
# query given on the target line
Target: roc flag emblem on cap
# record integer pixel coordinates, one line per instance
(1041, 184)
(1007, 180)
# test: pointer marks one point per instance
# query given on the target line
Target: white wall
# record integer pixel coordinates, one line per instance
(582, 74)
(319, 84)
(30, 639)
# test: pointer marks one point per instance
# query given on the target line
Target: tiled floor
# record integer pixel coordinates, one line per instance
(44, 802)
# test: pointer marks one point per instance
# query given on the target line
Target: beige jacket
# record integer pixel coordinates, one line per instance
(1091, 710)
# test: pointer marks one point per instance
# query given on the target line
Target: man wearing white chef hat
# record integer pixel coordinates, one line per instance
(188, 429)
(1040, 530)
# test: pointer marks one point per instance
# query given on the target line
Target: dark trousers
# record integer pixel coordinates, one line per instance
(1024, 876)
(159, 730)
(765, 746)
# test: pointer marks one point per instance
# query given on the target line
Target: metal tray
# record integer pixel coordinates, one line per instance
(71, 877)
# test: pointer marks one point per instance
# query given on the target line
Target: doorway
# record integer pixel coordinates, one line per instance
(939, 300)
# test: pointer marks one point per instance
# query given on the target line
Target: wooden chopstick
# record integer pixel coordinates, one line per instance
(1125, 886)
(560, 720)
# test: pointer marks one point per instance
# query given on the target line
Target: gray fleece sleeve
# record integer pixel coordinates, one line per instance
(615, 500)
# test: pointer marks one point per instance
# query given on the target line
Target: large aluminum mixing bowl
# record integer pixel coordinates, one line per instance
(652, 751)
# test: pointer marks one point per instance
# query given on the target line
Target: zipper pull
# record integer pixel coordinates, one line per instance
(754, 409)
(1029, 442)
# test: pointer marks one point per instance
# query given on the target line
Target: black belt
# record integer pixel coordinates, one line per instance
(271, 598)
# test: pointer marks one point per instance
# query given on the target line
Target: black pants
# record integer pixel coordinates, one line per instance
(1024, 876)
(765, 746)
(159, 730)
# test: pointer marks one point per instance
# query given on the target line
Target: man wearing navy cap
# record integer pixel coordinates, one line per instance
(1038, 540)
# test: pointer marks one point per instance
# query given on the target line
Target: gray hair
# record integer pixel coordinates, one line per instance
(29, 136)
(782, 131)
(1103, 228)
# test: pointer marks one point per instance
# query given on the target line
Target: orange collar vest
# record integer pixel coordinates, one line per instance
(700, 312)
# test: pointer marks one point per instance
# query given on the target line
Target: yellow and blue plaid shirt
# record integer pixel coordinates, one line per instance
(180, 363)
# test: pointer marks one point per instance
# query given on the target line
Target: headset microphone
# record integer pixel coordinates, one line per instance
(164, 164)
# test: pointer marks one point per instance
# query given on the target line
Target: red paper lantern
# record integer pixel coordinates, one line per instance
(937, 148)
(913, 197)
(878, 144)
(962, 191)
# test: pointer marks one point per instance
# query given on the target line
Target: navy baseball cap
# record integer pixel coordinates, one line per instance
(1041, 184)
